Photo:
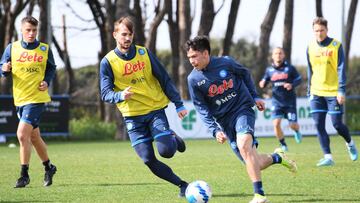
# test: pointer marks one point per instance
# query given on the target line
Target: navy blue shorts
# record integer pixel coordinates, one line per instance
(149, 127)
(325, 104)
(284, 112)
(243, 124)
(30, 113)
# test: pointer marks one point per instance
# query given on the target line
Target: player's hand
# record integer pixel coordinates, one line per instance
(6, 67)
(220, 137)
(340, 99)
(288, 86)
(262, 83)
(43, 86)
(182, 113)
(260, 104)
(127, 94)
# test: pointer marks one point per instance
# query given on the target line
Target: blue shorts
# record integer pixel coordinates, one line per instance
(243, 124)
(325, 104)
(149, 127)
(30, 113)
(288, 112)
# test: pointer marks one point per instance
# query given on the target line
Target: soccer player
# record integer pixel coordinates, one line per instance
(284, 78)
(326, 88)
(225, 97)
(135, 80)
(32, 67)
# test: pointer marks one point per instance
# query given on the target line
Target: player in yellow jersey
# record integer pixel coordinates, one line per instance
(32, 67)
(326, 88)
(133, 78)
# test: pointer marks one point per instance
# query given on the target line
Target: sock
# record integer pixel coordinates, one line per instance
(282, 142)
(24, 170)
(258, 188)
(276, 158)
(328, 156)
(163, 171)
(47, 165)
(183, 184)
(350, 144)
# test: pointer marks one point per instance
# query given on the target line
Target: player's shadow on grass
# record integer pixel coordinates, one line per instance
(108, 184)
(22, 201)
(326, 200)
(250, 195)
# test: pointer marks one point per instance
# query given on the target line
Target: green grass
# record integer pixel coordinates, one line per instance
(111, 172)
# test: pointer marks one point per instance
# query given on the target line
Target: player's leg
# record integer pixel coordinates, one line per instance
(41, 150)
(145, 151)
(291, 115)
(336, 112)
(277, 114)
(318, 111)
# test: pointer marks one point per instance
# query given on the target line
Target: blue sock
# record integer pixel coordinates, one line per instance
(258, 188)
(276, 158)
(282, 142)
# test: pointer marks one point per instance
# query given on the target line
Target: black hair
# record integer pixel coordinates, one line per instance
(199, 43)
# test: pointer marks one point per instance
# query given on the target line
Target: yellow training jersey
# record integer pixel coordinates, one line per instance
(324, 65)
(137, 73)
(28, 70)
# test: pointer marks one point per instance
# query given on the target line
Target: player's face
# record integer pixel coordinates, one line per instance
(320, 32)
(278, 56)
(199, 60)
(123, 37)
(29, 32)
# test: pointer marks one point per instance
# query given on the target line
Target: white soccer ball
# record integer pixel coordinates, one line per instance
(198, 192)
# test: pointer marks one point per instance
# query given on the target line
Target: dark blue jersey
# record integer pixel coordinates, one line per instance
(278, 76)
(221, 90)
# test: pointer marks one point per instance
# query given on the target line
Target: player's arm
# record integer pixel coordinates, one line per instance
(49, 72)
(203, 110)
(309, 72)
(295, 77)
(107, 85)
(5, 62)
(265, 79)
(167, 84)
(341, 75)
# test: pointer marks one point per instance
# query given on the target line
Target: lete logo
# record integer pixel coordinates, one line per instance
(26, 57)
(216, 90)
(130, 68)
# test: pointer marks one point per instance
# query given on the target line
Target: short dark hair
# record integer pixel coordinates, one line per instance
(31, 20)
(199, 43)
(320, 21)
(126, 21)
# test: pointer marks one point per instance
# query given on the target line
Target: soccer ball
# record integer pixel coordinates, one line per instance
(198, 192)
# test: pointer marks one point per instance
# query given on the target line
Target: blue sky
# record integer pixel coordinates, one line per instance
(84, 46)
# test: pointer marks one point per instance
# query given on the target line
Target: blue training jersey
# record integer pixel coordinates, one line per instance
(278, 76)
(219, 91)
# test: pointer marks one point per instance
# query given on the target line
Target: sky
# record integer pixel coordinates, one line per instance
(83, 46)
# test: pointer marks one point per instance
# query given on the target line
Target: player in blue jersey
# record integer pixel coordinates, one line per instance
(284, 78)
(31, 66)
(225, 97)
(327, 88)
(134, 79)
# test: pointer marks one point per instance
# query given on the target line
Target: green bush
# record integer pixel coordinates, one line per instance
(88, 128)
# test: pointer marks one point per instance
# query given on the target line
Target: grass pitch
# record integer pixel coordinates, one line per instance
(111, 172)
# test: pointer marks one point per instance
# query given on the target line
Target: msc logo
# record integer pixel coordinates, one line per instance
(26, 57)
(30, 70)
(130, 68)
(226, 98)
(216, 90)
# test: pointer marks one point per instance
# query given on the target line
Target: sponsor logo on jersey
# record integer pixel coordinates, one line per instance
(225, 99)
(130, 68)
(26, 57)
(201, 83)
(279, 76)
(30, 70)
(325, 52)
(220, 89)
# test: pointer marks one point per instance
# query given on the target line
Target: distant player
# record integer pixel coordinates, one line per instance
(284, 78)
(134, 79)
(32, 67)
(327, 88)
(225, 97)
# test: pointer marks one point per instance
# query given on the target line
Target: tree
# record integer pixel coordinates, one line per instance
(288, 27)
(319, 8)
(266, 28)
(230, 27)
(159, 16)
(349, 27)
